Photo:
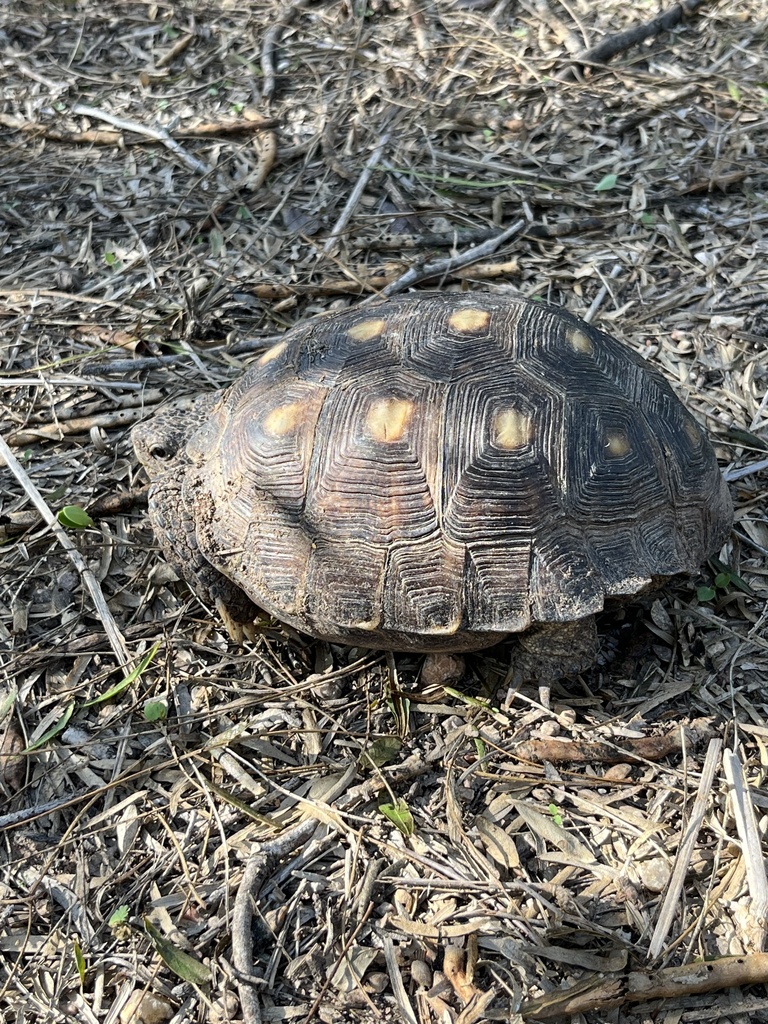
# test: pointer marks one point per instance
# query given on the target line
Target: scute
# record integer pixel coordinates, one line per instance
(437, 471)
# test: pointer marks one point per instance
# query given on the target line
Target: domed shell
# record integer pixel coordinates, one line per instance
(439, 470)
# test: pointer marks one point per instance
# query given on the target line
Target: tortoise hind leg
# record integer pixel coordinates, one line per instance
(553, 650)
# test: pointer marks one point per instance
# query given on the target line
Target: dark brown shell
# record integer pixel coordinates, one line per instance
(438, 470)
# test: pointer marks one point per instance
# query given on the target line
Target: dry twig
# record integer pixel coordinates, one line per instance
(115, 637)
(685, 850)
(613, 45)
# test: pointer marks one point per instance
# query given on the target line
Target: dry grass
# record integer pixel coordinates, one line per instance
(133, 268)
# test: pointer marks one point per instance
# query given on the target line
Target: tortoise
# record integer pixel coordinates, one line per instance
(434, 473)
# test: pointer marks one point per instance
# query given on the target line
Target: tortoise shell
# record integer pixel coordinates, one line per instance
(439, 470)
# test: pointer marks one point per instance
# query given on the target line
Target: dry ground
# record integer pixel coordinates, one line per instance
(134, 267)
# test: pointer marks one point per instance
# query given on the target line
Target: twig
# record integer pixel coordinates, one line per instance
(618, 43)
(738, 474)
(17, 523)
(77, 425)
(685, 849)
(743, 811)
(158, 134)
(257, 869)
(450, 265)
(269, 44)
(354, 196)
(598, 299)
(92, 136)
(402, 1001)
(103, 364)
(441, 239)
(249, 122)
(669, 983)
(361, 286)
(260, 862)
(116, 641)
(178, 47)
(266, 152)
(643, 748)
(98, 137)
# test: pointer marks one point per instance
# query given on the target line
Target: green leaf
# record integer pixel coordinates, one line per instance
(723, 580)
(120, 916)
(79, 961)
(216, 242)
(110, 258)
(734, 91)
(735, 579)
(74, 517)
(400, 816)
(648, 219)
(705, 594)
(53, 731)
(480, 747)
(155, 711)
(184, 966)
(7, 702)
(606, 183)
(132, 675)
(380, 752)
(473, 702)
(557, 817)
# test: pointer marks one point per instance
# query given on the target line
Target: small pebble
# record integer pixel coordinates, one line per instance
(654, 873)
(145, 1008)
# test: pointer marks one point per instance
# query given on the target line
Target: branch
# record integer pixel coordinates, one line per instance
(613, 45)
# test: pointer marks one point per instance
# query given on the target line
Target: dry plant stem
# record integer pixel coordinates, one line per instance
(256, 872)
(98, 137)
(339, 959)
(685, 850)
(178, 48)
(613, 45)
(122, 418)
(743, 811)
(269, 44)
(478, 272)
(158, 134)
(669, 983)
(450, 265)
(237, 126)
(642, 748)
(115, 637)
(738, 474)
(257, 869)
(354, 197)
(396, 981)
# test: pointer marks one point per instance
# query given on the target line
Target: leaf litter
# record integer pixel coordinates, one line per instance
(182, 183)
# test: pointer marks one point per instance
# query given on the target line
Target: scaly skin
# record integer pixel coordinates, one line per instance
(160, 444)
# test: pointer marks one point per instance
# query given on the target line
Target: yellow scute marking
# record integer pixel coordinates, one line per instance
(283, 419)
(366, 330)
(273, 353)
(388, 418)
(581, 342)
(469, 319)
(511, 428)
(692, 431)
(616, 443)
